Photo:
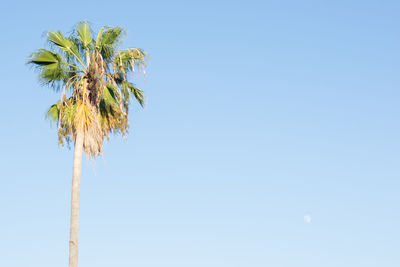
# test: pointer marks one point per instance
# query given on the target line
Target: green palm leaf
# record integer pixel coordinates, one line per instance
(136, 92)
(84, 34)
(45, 57)
(65, 44)
(108, 41)
(111, 95)
(53, 112)
(51, 66)
(128, 59)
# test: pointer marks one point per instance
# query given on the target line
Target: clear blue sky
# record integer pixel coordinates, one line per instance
(258, 114)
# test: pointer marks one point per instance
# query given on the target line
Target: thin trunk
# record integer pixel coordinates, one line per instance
(76, 181)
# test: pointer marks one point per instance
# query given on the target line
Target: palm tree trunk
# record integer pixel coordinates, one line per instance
(76, 181)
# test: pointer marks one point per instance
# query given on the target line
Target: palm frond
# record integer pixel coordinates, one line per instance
(108, 42)
(136, 92)
(111, 95)
(44, 57)
(126, 60)
(53, 113)
(68, 113)
(83, 116)
(51, 66)
(84, 34)
(65, 44)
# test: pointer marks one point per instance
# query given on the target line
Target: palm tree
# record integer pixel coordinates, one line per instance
(92, 75)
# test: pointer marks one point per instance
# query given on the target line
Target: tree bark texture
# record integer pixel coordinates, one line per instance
(75, 199)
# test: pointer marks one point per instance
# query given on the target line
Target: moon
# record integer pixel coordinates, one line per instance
(307, 218)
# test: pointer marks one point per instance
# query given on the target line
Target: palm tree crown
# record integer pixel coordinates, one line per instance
(92, 75)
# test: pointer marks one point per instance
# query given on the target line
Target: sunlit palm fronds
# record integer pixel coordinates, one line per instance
(93, 75)
(108, 41)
